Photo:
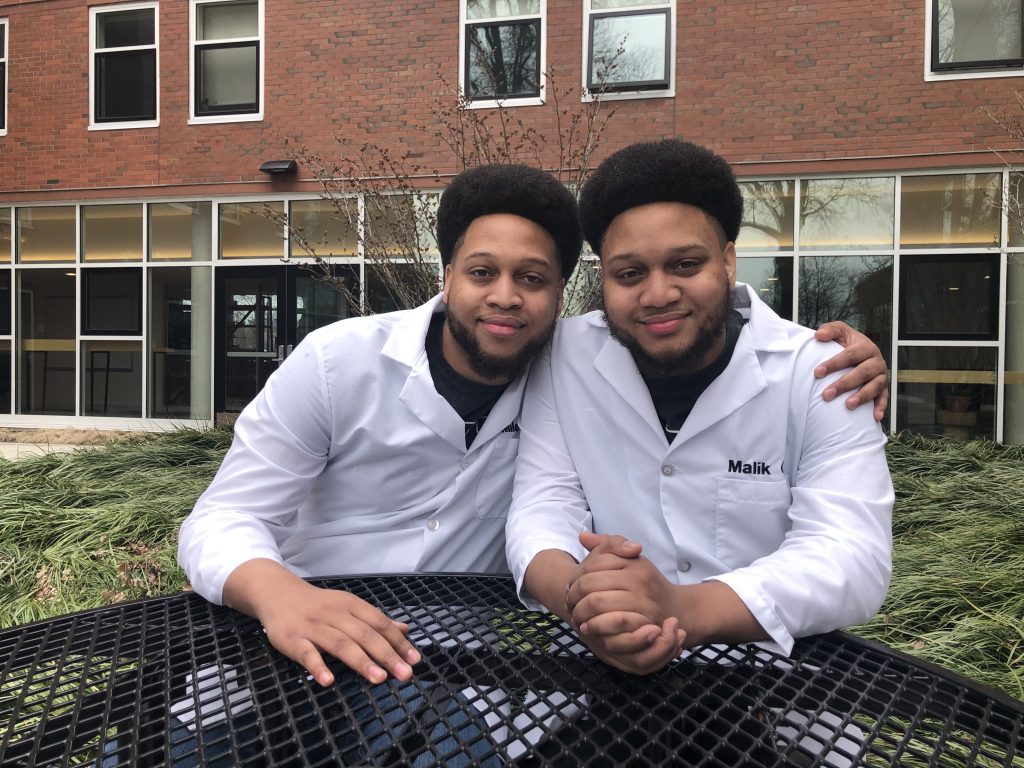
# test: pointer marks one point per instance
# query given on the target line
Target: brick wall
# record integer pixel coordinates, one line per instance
(770, 84)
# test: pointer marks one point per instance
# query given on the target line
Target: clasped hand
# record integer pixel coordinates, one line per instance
(622, 606)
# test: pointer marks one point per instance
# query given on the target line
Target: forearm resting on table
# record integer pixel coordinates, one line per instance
(250, 584)
(711, 612)
(546, 578)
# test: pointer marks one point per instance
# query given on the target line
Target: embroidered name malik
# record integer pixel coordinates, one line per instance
(749, 468)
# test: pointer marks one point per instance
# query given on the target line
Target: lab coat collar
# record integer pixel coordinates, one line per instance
(406, 346)
(737, 385)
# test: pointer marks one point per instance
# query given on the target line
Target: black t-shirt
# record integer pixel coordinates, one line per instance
(675, 396)
(471, 400)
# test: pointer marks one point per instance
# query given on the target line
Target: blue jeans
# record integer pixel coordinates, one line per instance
(419, 725)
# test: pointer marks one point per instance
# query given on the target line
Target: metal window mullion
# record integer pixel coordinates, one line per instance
(361, 247)
(144, 320)
(894, 331)
(1004, 277)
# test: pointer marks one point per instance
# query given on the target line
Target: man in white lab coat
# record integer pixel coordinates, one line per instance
(684, 423)
(388, 443)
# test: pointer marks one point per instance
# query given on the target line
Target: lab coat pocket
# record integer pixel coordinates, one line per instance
(494, 492)
(751, 519)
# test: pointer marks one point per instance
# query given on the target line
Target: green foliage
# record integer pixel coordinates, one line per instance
(97, 526)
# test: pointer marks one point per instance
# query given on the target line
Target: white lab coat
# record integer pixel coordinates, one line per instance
(782, 496)
(349, 461)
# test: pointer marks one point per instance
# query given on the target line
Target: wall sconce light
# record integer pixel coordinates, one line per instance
(279, 166)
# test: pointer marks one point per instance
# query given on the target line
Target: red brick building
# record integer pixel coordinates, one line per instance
(136, 286)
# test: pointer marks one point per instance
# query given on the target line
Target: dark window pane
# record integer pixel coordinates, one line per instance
(5, 303)
(112, 378)
(122, 29)
(112, 301)
(503, 60)
(125, 86)
(46, 342)
(976, 33)
(771, 278)
(629, 51)
(3, 95)
(227, 79)
(949, 297)
(318, 304)
(5, 376)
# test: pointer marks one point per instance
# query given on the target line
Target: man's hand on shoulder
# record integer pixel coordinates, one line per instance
(303, 621)
(868, 378)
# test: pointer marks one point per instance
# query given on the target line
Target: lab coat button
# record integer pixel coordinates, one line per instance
(433, 525)
(465, 463)
(667, 470)
(685, 565)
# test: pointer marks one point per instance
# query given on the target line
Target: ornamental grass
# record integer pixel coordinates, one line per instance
(98, 526)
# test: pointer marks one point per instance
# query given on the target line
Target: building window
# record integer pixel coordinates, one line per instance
(3, 77)
(227, 59)
(123, 73)
(629, 47)
(977, 35)
(503, 50)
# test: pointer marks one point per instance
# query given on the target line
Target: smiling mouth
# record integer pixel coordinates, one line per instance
(502, 326)
(662, 325)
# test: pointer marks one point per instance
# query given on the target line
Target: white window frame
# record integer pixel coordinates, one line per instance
(3, 80)
(955, 74)
(259, 39)
(635, 10)
(94, 13)
(507, 101)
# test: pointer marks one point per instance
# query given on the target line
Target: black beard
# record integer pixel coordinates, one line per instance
(685, 361)
(493, 367)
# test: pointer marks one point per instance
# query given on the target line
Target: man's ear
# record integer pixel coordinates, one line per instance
(447, 282)
(729, 254)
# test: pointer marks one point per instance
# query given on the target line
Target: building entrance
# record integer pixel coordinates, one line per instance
(261, 314)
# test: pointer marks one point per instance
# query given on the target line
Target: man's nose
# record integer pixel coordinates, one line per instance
(660, 290)
(505, 292)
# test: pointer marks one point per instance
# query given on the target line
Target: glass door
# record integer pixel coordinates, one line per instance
(262, 313)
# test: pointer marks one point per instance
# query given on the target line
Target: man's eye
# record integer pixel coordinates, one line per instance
(686, 265)
(479, 272)
(628, 274)
(533, 279)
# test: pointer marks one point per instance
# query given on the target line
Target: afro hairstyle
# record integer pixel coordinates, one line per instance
(655, 172)
(516, 189)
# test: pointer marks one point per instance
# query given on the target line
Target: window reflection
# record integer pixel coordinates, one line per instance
(768, 215)
(841, 214)
(961, 209)
(629, 51)
(503, 60)
(391, 286)
(772, 280)
(855, 289)
(947, 391)
(978, 31)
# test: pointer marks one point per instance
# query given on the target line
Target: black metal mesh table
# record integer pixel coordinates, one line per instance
(497, 685)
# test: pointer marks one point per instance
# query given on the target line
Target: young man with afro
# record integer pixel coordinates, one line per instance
(681, 479)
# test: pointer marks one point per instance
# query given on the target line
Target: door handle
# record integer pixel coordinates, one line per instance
(288, 349)
(280, 354)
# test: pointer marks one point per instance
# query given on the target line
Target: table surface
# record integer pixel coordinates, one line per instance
(107, 683)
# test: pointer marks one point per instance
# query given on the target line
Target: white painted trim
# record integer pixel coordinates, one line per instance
(98, 10)
(261, 40)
